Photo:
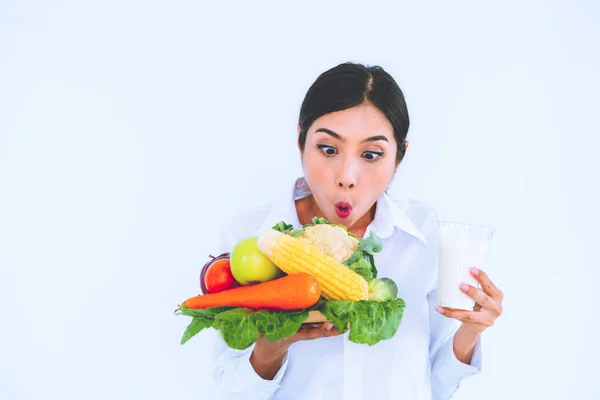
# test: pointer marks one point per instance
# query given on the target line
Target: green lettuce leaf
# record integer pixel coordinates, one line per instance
(363, 263)
(382, 289)
(194, 327)
(207, 313)
(238, 327)
(369, 321)
(372, 244)
(354, 258)
(201, 319)
(278, 325)
(364, 268)
(282, 227)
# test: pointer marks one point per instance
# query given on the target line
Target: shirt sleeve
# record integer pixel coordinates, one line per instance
(233, 374)
(235, 377)
(447, 371)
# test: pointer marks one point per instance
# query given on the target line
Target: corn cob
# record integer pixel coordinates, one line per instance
(292, 255)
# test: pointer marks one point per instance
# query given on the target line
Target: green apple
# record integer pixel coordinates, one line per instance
(249, 265)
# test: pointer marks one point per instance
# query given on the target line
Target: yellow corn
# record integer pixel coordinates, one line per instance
(292, 255)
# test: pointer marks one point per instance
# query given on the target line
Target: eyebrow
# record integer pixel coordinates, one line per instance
(339, 137)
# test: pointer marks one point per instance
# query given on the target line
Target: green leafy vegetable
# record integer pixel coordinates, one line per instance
(363, 267)
(363, 262)
(369, 321)
(201, 319)
(372, 244)
(279, 325)
(372, 262)
(354, 258)
(296, 232)
(194, 327)
(207, 313)
(238, 327)
(282, 227)
(382, 289)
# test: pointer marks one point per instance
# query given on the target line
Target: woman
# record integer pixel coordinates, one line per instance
(352, 138)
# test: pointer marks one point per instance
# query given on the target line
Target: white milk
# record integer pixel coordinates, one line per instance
(461, 246)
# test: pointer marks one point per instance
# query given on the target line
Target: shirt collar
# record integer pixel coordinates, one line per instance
(388, 214)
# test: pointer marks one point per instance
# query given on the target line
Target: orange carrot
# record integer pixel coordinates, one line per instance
(290, 292)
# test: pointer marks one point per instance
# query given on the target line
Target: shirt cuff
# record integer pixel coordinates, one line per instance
(449, 368)
(237, 379)
(246, 374)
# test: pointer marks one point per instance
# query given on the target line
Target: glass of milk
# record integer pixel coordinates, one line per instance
(461, 246)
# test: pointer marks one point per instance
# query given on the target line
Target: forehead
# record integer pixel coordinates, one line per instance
(361, 121)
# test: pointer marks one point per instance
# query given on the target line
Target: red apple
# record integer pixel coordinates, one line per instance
(216, 275)
(205, 268)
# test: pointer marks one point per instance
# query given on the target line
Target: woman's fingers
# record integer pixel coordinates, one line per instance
(488, 303)
(306, 332)
(331, 330)
(486, 284)
(327, 329)
(482, 299)
(472, 317)
(314, 331)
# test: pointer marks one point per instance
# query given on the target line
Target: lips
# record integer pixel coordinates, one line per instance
(343, 209)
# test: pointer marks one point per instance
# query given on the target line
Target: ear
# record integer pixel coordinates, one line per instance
(298, 140)
(405, 150)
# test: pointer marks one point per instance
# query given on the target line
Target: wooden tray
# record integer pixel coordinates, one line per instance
(315, 317)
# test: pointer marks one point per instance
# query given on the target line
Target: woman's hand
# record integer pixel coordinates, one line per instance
(267, 355)
(488, 304)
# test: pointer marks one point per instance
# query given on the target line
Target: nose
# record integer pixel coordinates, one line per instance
(346, 179)
(345, 184)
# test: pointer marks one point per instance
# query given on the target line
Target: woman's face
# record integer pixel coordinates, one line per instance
(349, 160)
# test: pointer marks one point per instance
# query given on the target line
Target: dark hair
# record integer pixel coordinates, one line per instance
(352, 84)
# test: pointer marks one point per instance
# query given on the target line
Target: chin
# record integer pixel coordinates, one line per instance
(345, 221)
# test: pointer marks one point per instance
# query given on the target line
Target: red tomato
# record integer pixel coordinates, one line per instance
(218, 276)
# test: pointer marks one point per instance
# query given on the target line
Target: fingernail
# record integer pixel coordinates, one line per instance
(329, 326)
(474, 271)
(440, 309)
(464, 287)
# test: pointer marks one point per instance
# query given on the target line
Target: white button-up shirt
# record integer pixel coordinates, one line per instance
(417, 363)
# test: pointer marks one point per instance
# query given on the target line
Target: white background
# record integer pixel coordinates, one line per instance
(129, 131)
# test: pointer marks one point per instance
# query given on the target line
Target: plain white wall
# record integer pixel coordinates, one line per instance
(129, 130)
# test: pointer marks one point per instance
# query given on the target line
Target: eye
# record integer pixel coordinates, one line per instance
(328, 150)
(372, 155)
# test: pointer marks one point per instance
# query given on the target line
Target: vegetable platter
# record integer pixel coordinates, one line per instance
(273, 283)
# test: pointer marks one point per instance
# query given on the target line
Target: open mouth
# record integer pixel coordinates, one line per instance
(343, 209)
